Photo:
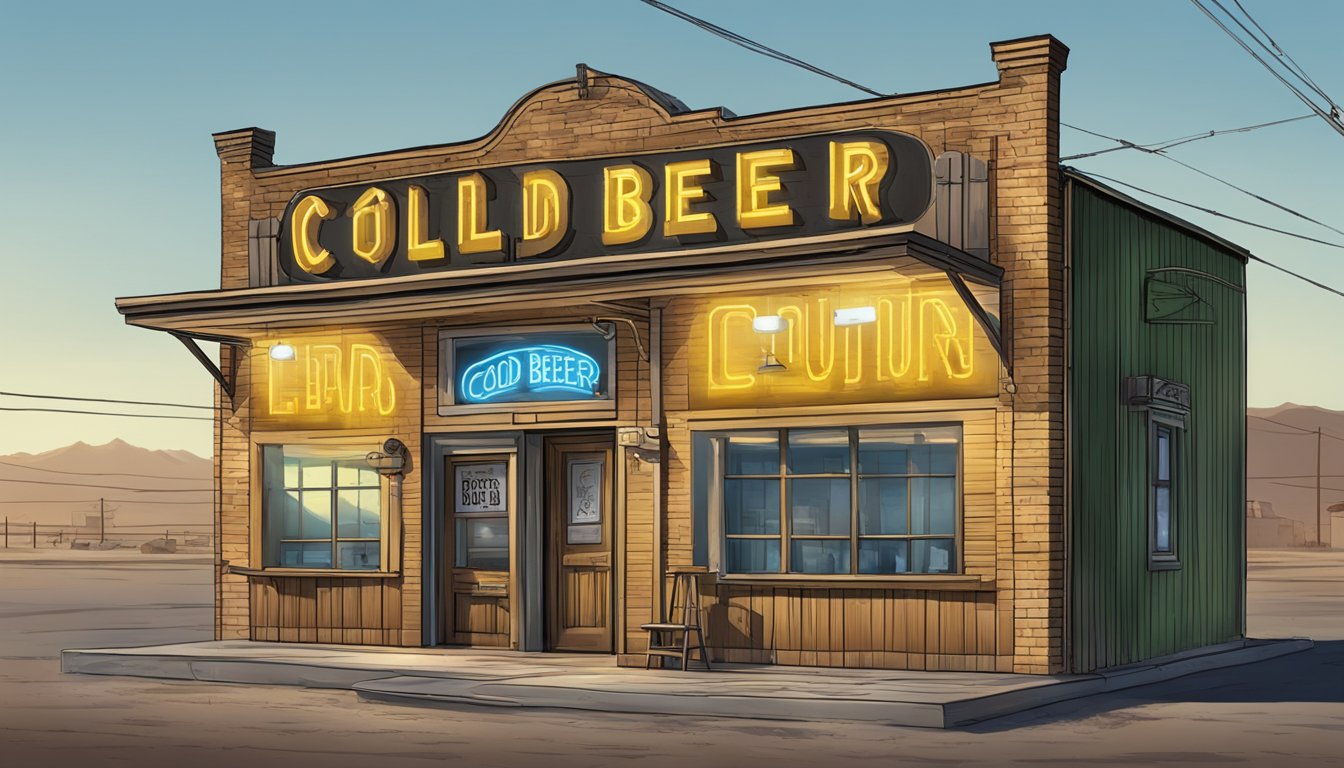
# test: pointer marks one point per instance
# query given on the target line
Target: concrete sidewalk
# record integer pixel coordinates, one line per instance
(458, 677)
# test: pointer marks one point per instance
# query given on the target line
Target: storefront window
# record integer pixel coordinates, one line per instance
(320, 509)
(866, 500)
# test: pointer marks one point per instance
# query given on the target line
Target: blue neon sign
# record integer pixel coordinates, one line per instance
(536, 367)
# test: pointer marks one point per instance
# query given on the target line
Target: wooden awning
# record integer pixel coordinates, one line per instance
(239, 315)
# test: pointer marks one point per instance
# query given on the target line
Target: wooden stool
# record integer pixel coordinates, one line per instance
(663, 639)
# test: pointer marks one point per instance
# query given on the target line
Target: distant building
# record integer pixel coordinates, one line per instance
(1266, 530)
(1336, 525)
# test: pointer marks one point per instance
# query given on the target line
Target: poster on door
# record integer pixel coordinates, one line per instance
(482, 487)
(585, 501)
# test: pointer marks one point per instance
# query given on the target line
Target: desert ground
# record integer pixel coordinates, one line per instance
(1284, 712)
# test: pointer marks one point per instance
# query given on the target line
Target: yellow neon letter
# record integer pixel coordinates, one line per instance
(472, 235)
(857, 169)
(304, 222)
(418, 245)
(373, 225)
(679, 193)
(626, 215)
(755, 181)
(545, 212)
(719, 318)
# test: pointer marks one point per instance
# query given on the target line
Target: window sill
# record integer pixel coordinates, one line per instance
(319, 573)
(1164, 564)
(951, 581)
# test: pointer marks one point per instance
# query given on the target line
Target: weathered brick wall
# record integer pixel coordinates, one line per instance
(1013, 123)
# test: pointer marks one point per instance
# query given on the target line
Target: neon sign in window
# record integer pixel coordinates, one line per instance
(533, 367)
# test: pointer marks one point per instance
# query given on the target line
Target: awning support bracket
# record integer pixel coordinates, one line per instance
(227, 382)
(992, 329)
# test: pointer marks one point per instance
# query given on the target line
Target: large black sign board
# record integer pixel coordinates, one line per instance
(906, 191)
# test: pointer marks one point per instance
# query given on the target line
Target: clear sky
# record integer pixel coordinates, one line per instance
(109, 180)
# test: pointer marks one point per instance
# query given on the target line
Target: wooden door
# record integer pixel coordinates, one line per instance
(480, 505)
(579, 530)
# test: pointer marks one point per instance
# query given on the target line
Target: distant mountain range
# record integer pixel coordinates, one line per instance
(152, 489)
(146, 490)
(1281, 461)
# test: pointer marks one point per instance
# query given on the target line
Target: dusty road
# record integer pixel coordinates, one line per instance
(1285, 712)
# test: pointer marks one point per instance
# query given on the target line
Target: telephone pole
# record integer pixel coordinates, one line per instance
(1319, 543)
(102, 518)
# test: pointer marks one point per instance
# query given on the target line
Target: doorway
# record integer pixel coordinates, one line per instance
(578, 513)
(480, 513)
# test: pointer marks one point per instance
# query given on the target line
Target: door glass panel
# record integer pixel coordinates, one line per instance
(483, 542)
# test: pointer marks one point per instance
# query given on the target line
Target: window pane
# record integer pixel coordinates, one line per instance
(883, 556)
(305, 555)
(1163, 453)
(370, 515)
(347, 515)
(751, 506)
(753, 555)
(291, 471)
(348, 473)
(483, 543)
(752, 454)
(819, 556)
(316, 473)
(818, 452)
(289, 514)
(883, 451)
(316, 515)
(1162, 523)
(933, 505)
(931, 555)
(909, 450)
(358, 555)
(819, 507)
(882, 506)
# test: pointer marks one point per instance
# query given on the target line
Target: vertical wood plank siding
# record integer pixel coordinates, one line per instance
(1121, 611)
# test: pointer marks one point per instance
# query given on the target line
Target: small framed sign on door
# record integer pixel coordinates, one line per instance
(585, 501)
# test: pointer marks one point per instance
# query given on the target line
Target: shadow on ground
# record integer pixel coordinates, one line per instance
(1311, 676)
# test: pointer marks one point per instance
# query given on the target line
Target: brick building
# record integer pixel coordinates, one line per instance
(490, 393)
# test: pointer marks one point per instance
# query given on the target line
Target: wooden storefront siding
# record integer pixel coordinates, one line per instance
(853, 627)
(1121, 611)
(325, 610)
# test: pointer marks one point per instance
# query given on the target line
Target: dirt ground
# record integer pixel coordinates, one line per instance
(1284, 712)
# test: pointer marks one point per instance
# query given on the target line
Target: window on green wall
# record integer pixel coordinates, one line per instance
(1164, 451)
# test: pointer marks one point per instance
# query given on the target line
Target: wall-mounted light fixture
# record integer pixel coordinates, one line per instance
(855, 316)
(282, 352)
(771, 364)
(769, 324)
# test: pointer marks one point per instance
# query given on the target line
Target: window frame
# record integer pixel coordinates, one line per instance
(260, 555)
(1175, 424)
(720, 538)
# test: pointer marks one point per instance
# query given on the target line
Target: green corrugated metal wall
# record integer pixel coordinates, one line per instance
(1120, 612)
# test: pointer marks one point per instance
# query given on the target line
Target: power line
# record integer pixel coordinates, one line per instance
(1303, 430)
(1252, 256)
(1290, 477)
(1160, 152)
(1277, 431)
(1291, 65)
(1307, 487)
(108, 400)
(756, 47)
(107, 413)
(1330, 118)
(86, 474)
(1161, 146)
(95, 501)
(108, 487)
